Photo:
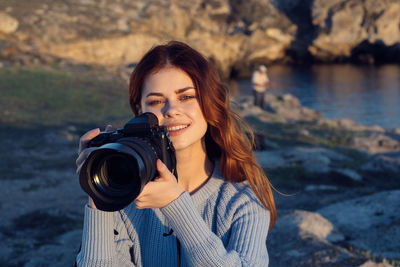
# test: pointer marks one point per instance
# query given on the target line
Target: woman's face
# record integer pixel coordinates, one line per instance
(170, 94)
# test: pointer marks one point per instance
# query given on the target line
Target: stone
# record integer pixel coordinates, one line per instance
(313, 159)
(353, 175)
(376, 143)
(370, 223)
(383, 163)
(346, 123)
(309, 224)
(61, 253)
(343, 26)
(375, 264)
(386, 27)
(321, 187)
(8, 24)
(269, 159)
(300, 237)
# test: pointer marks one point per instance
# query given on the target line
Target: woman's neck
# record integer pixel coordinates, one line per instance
(193, 169)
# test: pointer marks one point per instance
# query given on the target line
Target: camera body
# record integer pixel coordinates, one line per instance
(114, 174)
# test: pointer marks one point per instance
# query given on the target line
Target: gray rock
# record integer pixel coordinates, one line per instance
(310, 225)
(321, 187)
(290, 108)
(371, 223)
(383, 163)
(314, 159)
(61, 253)
(353, 175)
(375, 264)
(301, 237)
(376, 143)
(269, 159)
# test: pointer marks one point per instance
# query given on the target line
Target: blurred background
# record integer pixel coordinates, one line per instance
(328, 137)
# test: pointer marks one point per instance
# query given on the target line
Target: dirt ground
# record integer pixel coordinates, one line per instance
(41, 201)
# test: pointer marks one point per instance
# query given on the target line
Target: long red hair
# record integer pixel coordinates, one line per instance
(226, 136)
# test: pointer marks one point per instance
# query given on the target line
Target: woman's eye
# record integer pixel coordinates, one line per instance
(154, 102)
(187, 97)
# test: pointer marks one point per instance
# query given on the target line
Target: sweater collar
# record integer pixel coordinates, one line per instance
(210, 186)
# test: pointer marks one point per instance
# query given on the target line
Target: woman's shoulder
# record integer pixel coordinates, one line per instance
(236, 193)
(240, 192)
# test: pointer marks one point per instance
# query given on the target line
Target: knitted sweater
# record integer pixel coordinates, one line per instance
(221, 224)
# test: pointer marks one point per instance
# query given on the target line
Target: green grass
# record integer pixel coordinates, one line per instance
(36, 102)
(45, 97)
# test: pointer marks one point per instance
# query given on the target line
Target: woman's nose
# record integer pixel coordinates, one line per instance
(171, 109)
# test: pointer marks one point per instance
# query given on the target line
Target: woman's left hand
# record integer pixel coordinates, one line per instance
(161, 191)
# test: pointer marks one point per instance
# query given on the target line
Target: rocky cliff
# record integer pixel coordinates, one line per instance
(237, 35)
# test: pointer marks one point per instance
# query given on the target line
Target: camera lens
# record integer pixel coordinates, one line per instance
(117, 172)
(119, 169)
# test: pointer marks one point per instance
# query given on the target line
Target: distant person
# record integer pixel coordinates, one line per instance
(219, 208)
(260, 83)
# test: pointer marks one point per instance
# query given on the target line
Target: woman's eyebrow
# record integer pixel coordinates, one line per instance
(179, 91)
(155, 94)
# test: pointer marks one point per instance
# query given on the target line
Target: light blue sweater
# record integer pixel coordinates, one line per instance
(221, 224)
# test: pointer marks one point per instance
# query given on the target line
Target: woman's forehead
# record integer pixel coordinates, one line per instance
(170, 79)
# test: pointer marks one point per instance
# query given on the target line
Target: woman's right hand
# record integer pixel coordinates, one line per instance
(84, 151)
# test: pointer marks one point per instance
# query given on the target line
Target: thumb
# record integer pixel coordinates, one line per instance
(163, 170)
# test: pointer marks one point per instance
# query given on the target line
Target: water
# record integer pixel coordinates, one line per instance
(369, 95)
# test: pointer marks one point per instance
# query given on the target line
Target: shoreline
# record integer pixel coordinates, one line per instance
(367, 95)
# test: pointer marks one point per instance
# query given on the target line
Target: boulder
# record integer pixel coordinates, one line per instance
(383, 163)
(352, 174)
(237, 36)
(349, 29)
(309, 225)
(231, 34)
(375, 264)
(303, 238)
(8, 24)
(376, 143)
(370, 223)
(313, 159)
(289, 107)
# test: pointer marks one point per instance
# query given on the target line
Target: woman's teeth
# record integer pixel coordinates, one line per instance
(176, 128)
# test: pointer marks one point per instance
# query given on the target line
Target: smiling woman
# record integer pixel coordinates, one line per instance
(170, 94)
(218, 211)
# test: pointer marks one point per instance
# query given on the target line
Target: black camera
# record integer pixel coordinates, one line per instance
(114, 174)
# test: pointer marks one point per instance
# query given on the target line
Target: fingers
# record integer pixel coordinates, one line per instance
(82, 157)
(87, 137)
(83, 142)
(159, 192)
(109, 128)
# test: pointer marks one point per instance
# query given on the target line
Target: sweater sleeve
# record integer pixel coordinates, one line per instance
(247, 242)
(105, 242)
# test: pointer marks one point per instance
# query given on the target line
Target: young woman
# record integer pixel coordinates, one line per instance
(219, 211)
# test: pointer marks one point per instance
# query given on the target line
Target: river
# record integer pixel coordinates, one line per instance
(369, 95)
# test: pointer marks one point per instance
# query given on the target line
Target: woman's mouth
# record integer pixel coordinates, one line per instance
(176, 129)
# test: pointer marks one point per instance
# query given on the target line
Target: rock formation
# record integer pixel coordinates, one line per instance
(237, 36)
